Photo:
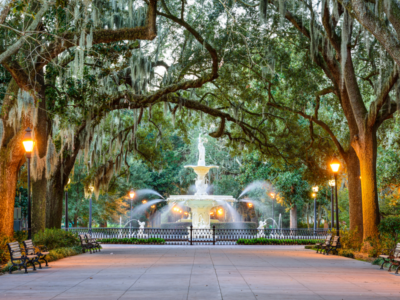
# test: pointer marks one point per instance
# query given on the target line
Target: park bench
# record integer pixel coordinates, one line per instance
(391, 256)
(396, 261)
(30, 249)
(18, 259)
(93, 241)
(85, 244)
(321, 246)
(333, 246)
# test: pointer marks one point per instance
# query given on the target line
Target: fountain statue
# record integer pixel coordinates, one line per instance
(200, 203)
(261, 227)
(141, 233)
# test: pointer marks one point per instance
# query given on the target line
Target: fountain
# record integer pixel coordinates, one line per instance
(200, 203)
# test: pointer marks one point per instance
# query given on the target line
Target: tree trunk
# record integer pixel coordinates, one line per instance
(54, 202)
(8, 184)
(367, 153)
(11, 158)
(41, 135)
(55, 188)
(355, 198)
(39, 204)
(293, 217)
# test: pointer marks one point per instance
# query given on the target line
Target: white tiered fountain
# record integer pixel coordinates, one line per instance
(200, 203)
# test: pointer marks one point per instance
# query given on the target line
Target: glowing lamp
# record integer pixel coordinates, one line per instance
(153, 206)
(144, 201)
(220, 211)
(314, 195)
(250, 205)
(28, 141)
(332, 182)
(315, 189)
(131, 194)
(335, 165)
(272, 195)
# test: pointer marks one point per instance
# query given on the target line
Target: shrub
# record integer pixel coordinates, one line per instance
(133, 241)
(346, 252)
(56, 238)
(391, 227)
(265, 241)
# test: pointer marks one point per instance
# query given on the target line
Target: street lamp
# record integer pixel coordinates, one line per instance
(91, 188)
(272, 195)
(131, 196)
(332, 184)
(28, 145)
(335, 166)
(314, 195)
(66, 204)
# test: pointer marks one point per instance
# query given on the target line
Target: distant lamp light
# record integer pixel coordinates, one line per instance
(186, 213)
(180, 211)
(335, 165)
(272, 195)
(211, 213)
(332, 182)
(315, 189)
(132, 194)
(153, 206)
(250, 204)
(28, 141)
(144, 201)
(314, 195)
(220, 211)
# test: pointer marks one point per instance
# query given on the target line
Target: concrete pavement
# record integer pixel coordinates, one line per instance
(203, 273)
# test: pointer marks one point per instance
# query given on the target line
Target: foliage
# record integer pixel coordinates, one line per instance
(390, 226)
(266, 241)
(133, 241)
(56, 238)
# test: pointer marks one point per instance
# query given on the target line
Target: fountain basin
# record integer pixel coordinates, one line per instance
(200, 206)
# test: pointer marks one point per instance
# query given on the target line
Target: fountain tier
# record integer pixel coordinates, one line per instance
(200, 203)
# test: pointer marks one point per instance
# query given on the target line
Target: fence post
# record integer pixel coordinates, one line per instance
(191, 234)
(213, 234)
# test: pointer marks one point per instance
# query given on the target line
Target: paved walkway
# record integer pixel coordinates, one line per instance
(203, 273)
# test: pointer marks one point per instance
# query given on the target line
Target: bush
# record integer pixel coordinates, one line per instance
(346, 253)
(133, 241)
(56, 238)
(265, 241)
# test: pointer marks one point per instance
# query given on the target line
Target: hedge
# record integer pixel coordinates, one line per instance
(264, 241)
(132, 241)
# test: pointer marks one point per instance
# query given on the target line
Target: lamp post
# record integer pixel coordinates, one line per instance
(332, 184)
(66, 204)
(272, 195)
(28, 145)
(314, 195)
(91, 188)
(131, 196)
(335, 166)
